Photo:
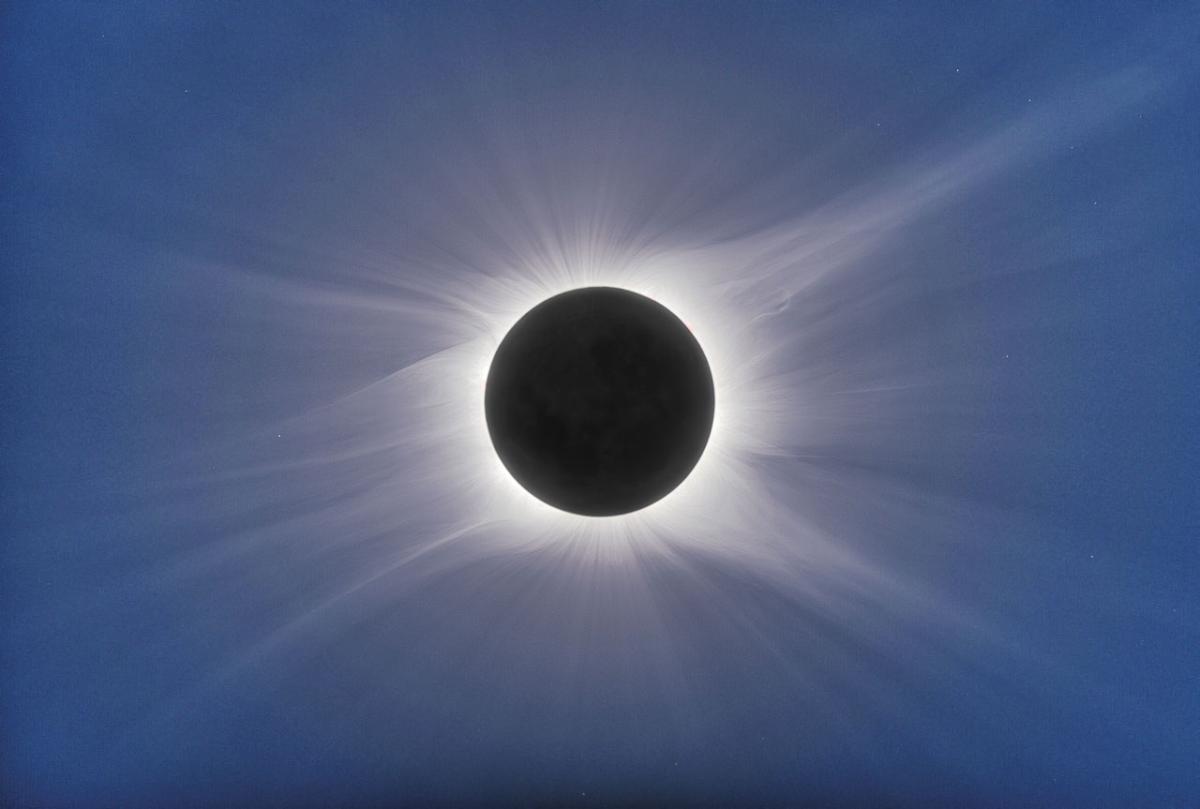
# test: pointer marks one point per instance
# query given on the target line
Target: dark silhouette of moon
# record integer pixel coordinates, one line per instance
(599, 401)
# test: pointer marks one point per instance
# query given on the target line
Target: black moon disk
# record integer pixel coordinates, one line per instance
(599, 401)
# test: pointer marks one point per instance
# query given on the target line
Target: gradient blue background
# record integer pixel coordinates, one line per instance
(1053, 313)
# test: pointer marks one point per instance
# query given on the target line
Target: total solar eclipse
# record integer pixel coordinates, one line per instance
(599, 401)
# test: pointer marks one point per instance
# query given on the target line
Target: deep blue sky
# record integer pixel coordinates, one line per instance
(169, 168)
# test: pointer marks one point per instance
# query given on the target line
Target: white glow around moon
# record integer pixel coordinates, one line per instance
(743, 420)
(400, 482)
